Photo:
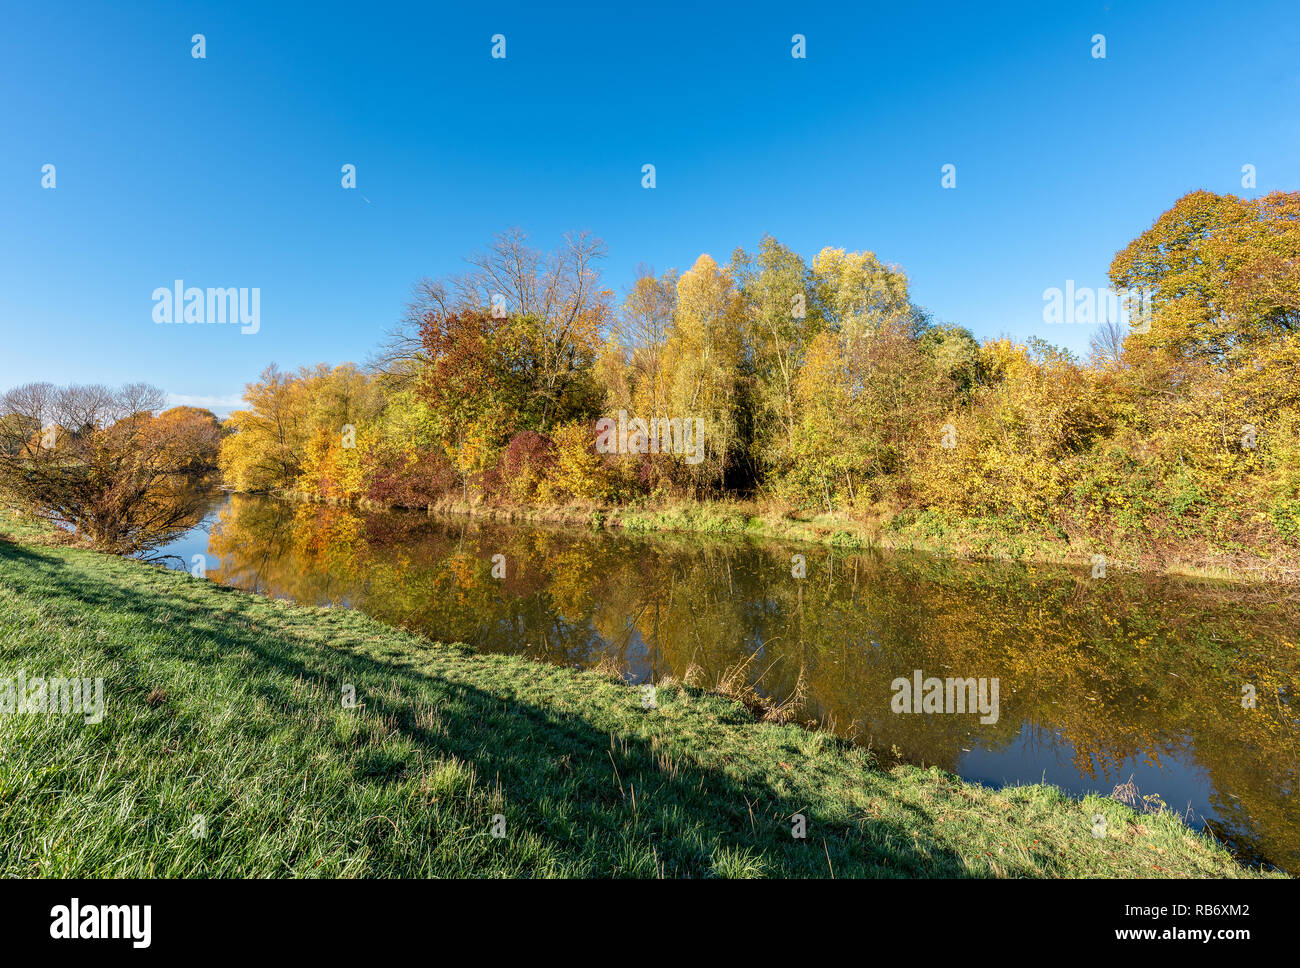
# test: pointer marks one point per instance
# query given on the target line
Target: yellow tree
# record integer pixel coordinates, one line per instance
(703, 355)
(266, 443)
(782, 317)
(643, 330)
(1219, 271)
(856, 293)
(1215, 374)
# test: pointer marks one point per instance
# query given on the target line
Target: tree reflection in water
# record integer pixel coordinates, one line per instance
(1096, 676)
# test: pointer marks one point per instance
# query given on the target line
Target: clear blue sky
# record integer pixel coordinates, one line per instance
(225, 171)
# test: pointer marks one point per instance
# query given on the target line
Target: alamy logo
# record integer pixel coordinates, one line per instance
(70, 922)
(659, 435)
(194, 305)
(52, 697)
(1087, 306)
(951, 695)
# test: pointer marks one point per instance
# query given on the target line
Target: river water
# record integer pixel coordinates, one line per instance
(1185, 688)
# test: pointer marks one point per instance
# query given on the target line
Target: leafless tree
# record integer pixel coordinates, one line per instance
(402, 349)
(1107, 344)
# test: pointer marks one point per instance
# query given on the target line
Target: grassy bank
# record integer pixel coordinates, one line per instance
(993, 539)
(228, 707)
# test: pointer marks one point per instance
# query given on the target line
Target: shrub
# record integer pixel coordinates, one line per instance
(578, 471)
(410, 479)
(525, 463)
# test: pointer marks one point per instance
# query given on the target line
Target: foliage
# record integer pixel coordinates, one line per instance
(822, 386)
(578, 472)
(100, 461)
(528, 460)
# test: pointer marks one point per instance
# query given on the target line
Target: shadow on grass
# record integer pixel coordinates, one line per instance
(561, 778)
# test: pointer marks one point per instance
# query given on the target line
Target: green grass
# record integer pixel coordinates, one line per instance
(227, 706)
(702, 518)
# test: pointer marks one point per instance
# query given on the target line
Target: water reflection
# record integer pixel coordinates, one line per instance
(1133, 676)
(146, 523)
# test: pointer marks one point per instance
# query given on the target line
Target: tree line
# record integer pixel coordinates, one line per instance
(819, 387)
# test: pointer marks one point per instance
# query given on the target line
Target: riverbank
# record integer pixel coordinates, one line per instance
(985, 539)
(226, 749)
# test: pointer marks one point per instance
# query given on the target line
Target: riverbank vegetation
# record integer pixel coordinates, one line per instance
(821, 392)
(112, 465)
(226, 749)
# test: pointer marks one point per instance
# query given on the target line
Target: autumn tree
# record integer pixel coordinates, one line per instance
(558, 313)
(642, 330)
(782, 317)
(100, 461)
(267, 442)
(1221, 273)
(1214, 378)
(856, 293)
(472, 386)
(703, 353)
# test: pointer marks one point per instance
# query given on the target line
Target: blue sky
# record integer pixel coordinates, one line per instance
(226, 171)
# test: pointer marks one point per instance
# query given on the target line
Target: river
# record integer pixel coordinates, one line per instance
(1183, 687)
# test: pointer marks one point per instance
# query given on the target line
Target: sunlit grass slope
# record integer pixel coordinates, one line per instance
(228, 707)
